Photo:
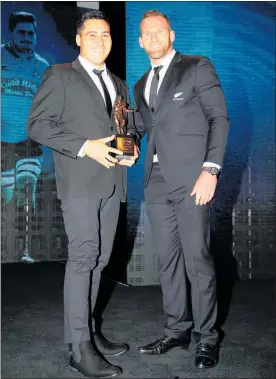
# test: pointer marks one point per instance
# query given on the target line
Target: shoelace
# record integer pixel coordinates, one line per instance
(205, 346)
(160, 344)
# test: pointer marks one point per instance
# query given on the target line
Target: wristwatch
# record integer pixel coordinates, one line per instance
(211, 170)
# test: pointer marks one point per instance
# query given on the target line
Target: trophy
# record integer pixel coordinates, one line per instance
(123, 142)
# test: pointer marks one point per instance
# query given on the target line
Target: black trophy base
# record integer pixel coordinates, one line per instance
(125, 143)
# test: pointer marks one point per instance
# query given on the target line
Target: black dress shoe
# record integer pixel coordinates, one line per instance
(91, 364)
(206, 355)
(164, 344)
(106, 347)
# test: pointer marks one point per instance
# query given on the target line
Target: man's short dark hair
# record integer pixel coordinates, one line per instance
(91, 15)
(17, 17)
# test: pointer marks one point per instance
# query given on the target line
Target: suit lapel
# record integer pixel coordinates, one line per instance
(84, 76)
(116, 83)
(171, 77)
(141, 88)
(119, 91)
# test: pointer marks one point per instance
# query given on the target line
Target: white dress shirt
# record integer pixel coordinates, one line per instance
(166, 62)
(89, 67)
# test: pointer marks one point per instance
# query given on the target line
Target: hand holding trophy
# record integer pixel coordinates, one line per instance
(124, 142)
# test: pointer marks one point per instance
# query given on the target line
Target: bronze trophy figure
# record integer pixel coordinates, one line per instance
(124, 142)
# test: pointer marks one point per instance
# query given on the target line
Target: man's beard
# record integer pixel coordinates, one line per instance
(158, 54)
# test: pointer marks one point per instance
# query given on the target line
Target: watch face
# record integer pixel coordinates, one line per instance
(211, 170)
(214, 170)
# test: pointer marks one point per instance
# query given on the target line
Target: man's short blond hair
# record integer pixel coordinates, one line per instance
(154, 13)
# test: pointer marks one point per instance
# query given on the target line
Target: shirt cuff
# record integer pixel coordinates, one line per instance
(81, 153)
(210, 164)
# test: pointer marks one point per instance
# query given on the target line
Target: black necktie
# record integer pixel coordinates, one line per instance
(153, 87)
(106, 93)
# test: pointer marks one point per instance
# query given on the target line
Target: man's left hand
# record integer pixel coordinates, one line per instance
(131, 161)
(204, 188)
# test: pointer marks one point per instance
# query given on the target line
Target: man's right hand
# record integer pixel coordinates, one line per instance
(98, 150)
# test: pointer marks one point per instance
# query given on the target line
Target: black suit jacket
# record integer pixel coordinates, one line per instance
(67, 110)
(190, 123)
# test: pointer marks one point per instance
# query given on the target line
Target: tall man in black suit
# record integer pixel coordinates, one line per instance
(183, 112)
(71, 114)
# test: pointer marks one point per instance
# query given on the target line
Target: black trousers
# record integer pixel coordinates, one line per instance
(90, 225)
(181, 234)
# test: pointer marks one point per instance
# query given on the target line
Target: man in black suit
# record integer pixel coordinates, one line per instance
(71, 114)
(183, 112)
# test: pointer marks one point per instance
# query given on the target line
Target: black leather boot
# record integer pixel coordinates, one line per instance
(87, 361)
(106, 347)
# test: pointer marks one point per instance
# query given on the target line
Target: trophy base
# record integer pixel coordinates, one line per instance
(125, 143)
(121, 157)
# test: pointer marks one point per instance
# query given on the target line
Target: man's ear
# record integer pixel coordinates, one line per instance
(78, 39)
(172, 35)
(141, 43)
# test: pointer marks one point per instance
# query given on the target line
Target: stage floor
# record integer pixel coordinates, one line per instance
(32, 329)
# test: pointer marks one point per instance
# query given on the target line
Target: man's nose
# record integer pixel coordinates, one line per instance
(99, 40)
(153, 37)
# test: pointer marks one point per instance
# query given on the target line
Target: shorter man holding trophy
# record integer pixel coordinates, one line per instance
(72, 114)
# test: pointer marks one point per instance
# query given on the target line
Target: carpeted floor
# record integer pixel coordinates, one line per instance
(32, 329)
